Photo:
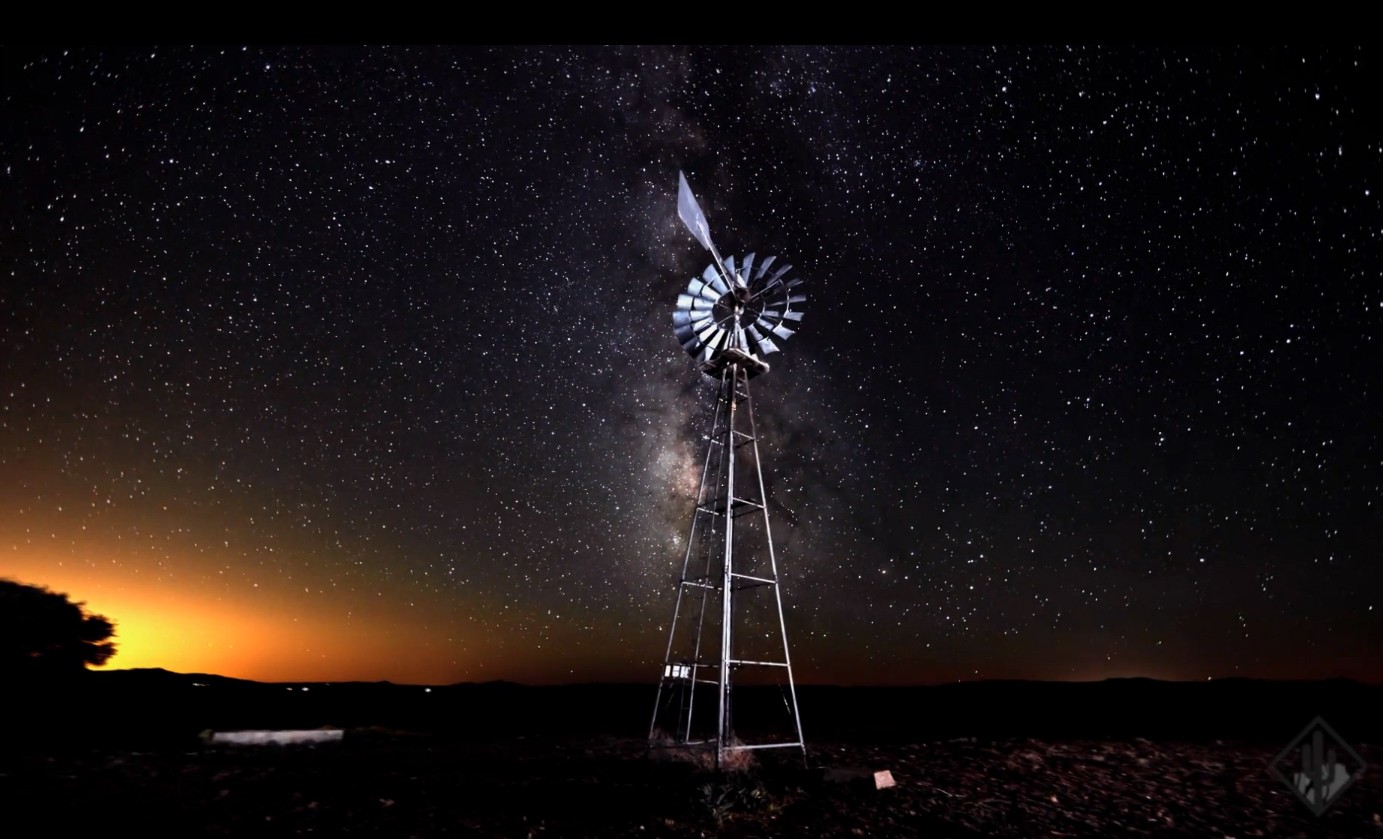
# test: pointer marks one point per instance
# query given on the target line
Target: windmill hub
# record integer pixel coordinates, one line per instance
(737, 305)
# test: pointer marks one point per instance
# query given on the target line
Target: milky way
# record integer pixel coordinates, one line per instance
(358, 362)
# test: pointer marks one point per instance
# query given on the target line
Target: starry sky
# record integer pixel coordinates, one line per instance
(357, 363)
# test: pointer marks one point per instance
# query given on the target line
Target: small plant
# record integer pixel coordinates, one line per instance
(723, 799)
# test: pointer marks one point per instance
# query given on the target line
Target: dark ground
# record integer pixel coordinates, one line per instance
(502, 760)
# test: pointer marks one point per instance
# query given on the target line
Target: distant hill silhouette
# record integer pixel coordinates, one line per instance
(155, 705)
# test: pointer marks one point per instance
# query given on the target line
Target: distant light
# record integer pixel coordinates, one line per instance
(427, 690)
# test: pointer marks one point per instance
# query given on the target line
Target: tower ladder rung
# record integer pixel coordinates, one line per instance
(716, 506)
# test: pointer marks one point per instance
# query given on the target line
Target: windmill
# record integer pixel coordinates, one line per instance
(727, 625)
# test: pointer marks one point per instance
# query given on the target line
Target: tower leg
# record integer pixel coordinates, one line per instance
(773, 570)
(727, 589)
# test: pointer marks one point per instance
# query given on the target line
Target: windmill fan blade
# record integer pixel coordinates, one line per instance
(710, 332)
(706, 285)
(714, 345)
(700, 288)
(764, 266)
(695, 338)
(699, 325)
(686, 303)
(763, 290)
(783, 332)
(690, 213)
(775, 280)
(765, 343)
(791, 315)
(704, 292)
(747, 269)
(695, 318)
(715, 281)
(685, 336)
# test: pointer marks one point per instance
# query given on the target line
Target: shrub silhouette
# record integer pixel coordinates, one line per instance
(43, 633)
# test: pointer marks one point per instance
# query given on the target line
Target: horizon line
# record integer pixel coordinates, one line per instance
(865, 685)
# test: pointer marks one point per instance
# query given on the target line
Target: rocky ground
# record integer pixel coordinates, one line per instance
(391, 783)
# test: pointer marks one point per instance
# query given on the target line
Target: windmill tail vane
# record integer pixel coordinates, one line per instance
(689, 211)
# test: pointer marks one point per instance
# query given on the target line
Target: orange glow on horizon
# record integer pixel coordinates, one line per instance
(263, 636)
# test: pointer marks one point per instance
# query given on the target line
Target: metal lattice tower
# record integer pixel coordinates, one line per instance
(727, 626)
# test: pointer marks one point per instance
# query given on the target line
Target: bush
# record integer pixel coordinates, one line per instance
(44, 633)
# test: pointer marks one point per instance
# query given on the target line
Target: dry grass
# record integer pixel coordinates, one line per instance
(703, 757)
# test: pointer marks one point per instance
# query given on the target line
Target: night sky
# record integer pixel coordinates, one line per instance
(357, 363)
